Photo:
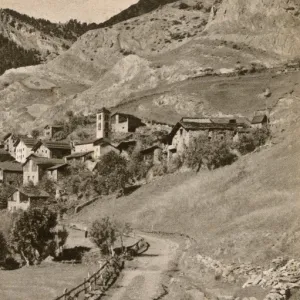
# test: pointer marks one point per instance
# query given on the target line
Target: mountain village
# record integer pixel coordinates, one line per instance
(27, 161)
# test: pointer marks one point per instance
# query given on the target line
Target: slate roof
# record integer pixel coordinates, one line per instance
(33, 193)
(52, 145)
(125, 144)
(11, 166)
(45, 161)
(125, 115)
(56, 167)
(150, 149)
(202, 126)
(258, 119)
(29, 142)
(53, 126)
(79, 154)
(7, 136)
(94, 142)
(199, 126)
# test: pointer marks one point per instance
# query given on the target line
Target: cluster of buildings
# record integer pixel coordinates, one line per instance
(24, 159)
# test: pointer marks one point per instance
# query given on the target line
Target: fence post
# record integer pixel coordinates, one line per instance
(84, 285)
(65, 294)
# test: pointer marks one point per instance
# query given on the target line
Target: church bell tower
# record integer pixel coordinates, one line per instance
(103, 123)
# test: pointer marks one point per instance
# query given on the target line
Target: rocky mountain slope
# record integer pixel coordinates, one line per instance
(137, 63)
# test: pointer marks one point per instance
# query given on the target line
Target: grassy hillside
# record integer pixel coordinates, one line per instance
(247, 211)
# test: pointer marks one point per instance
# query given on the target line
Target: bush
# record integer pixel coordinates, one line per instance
(35, 133)
(175, 163)
(103, 234)
(3, 247)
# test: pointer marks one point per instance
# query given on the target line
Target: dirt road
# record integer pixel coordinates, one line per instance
(142, 279)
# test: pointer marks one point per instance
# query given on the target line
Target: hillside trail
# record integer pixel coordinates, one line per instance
(144, 280)
(141, 278)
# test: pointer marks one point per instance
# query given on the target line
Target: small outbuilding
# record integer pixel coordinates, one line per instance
(24, 198)
(121, 122)
(11, 173)
(79, 157)
(152, 154)
(57, 172)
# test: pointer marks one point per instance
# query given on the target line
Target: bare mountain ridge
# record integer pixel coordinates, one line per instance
(137, 58)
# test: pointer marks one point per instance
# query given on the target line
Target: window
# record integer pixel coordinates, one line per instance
(181, 132)
(99, 126)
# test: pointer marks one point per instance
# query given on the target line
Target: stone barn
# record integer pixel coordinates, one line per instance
(121, 122)
(11, 173)
(25, 198)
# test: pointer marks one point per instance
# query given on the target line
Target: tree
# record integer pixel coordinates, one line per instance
(249, 141)
(35, 133)
(70, 114)
(123, 229)
(32, 235)
(211, 153)
(112, 173)
(103, 234)
(137, 167)
(3, 247)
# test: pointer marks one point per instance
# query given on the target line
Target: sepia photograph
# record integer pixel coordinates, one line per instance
(149, 149)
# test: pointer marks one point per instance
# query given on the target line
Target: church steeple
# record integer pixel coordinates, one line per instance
(103, 123)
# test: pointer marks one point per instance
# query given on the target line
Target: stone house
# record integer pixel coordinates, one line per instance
(36, 168)
(50, 130)
(9, 141)
(121, 122)
(259, 121)
(99, 147)
(152, 154)
(79, 157)
(51, 149)
(24, 148)
(24, 198)
(183, 133)
(57, 172)
(11, 173)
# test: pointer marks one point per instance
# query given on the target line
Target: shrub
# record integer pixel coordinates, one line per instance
(3, 247)
(103, 234)
(183, 5)
(175, 163)
(35, 133)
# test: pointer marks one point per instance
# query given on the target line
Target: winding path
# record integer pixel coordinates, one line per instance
(144, 281)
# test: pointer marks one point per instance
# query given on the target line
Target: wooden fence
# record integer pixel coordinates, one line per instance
(94, 286)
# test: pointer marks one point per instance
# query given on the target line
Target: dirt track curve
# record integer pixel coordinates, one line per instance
(143, 278)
